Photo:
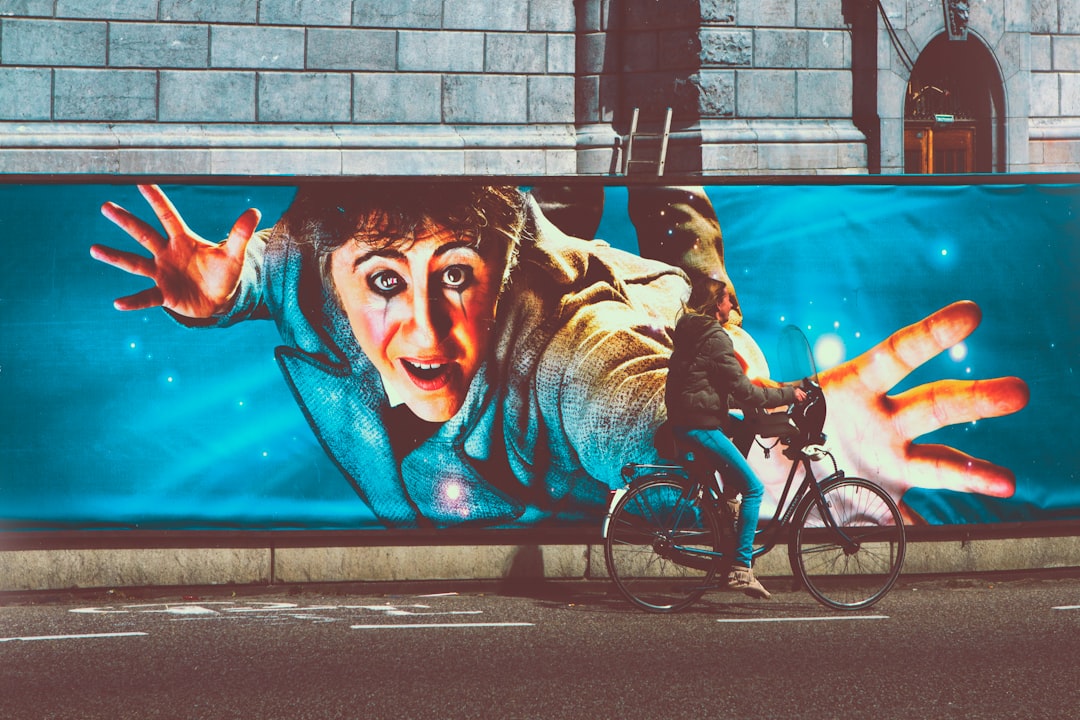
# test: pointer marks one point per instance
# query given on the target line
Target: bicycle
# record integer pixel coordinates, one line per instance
(669, 531)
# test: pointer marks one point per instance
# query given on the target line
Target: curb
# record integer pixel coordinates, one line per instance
(37, 570)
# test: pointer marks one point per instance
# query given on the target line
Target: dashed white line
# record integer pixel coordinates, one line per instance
(74, 637)
(803, 619)
(1067, 607)
(414, 626)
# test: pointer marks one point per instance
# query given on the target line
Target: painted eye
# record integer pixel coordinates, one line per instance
(457, 277)
(386, 282)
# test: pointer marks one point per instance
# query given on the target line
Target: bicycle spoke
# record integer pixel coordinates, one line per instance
(848, 546)
(654, 519)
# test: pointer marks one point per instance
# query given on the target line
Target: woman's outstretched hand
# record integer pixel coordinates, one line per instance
(872, 433)
(877, 431)
(192, 277)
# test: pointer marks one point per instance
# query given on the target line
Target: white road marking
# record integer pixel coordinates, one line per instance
(414, 626)
(269, 610)
(269, 607)
(185, 610)
(804, 619)
(75, 637)
(390, 608)
(400, 610)
(1067, 607)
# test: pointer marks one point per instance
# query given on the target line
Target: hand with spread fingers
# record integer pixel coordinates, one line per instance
(872, 433)
(192, 277)
(876, 432)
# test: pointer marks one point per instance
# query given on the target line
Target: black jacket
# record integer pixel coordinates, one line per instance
(705, 378)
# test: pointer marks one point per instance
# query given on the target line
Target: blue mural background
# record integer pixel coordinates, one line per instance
(854, 263)
(112, 419)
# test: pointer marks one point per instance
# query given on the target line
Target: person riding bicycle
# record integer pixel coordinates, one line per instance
(704, 380)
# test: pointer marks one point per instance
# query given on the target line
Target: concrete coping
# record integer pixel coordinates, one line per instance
(406, 138)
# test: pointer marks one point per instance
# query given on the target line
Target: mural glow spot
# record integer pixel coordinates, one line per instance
(958, 352)
(829, 350)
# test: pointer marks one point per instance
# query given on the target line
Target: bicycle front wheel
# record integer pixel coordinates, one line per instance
(849, 549)
(653, 533)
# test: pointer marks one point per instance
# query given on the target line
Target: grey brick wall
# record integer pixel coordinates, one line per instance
(1055, 85)
(105, 95)
(542, 87)
(151, 74)
(206, 96)
(327, 40)
(774, 88)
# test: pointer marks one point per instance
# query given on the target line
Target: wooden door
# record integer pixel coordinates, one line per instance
(932, 148)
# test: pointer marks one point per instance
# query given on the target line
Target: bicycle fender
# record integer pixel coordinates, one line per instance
(614, 496)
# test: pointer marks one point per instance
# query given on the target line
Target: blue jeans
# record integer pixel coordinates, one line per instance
(737, 475)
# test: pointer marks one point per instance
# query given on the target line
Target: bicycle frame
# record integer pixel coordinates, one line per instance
(781, 519)
(668, 532)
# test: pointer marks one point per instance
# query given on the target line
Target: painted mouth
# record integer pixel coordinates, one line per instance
(429, 376)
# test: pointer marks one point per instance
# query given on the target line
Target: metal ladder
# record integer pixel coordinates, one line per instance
(628, 158)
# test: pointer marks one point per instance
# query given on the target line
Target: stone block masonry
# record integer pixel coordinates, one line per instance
(107, 87)
(1054, 119)
(528, 87)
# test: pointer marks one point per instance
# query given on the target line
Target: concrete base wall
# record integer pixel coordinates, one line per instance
(40, 570)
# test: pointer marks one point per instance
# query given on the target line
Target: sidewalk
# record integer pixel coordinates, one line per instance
(250, 563)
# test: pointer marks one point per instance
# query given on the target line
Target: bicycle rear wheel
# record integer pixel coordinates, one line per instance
(650, 529)
(849, 552)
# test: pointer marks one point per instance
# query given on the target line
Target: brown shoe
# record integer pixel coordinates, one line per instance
(742, 578)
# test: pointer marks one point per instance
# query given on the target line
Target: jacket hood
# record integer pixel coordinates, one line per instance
(691, 325)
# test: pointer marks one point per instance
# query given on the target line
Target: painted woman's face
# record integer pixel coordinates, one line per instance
(422, 312)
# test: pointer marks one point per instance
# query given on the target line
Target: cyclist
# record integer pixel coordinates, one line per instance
(704, 380)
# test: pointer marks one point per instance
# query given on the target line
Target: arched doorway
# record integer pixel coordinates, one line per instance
(954, 115)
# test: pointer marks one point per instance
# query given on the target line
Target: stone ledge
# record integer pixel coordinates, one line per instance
(48, 135)
(480, 562)
(285, 150)
(43, 570)
(1054, 129)
(22, 570)
(791, 132)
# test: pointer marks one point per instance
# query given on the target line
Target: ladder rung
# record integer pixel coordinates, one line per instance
(662, 136)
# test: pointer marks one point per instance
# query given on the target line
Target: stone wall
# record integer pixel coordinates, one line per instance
(776, 88)
(488, 87)
(757, 87)
(317, 87)
(1055, 85)
(1036, 48)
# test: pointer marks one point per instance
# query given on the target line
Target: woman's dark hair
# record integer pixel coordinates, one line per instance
(705, 295)
(325, 216)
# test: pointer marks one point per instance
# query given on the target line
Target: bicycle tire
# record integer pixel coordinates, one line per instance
(848, 575)
(653, 514)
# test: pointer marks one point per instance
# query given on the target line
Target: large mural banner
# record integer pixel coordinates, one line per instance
(438, 354)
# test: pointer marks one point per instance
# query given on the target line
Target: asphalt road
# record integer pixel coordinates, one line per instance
(966, 648)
